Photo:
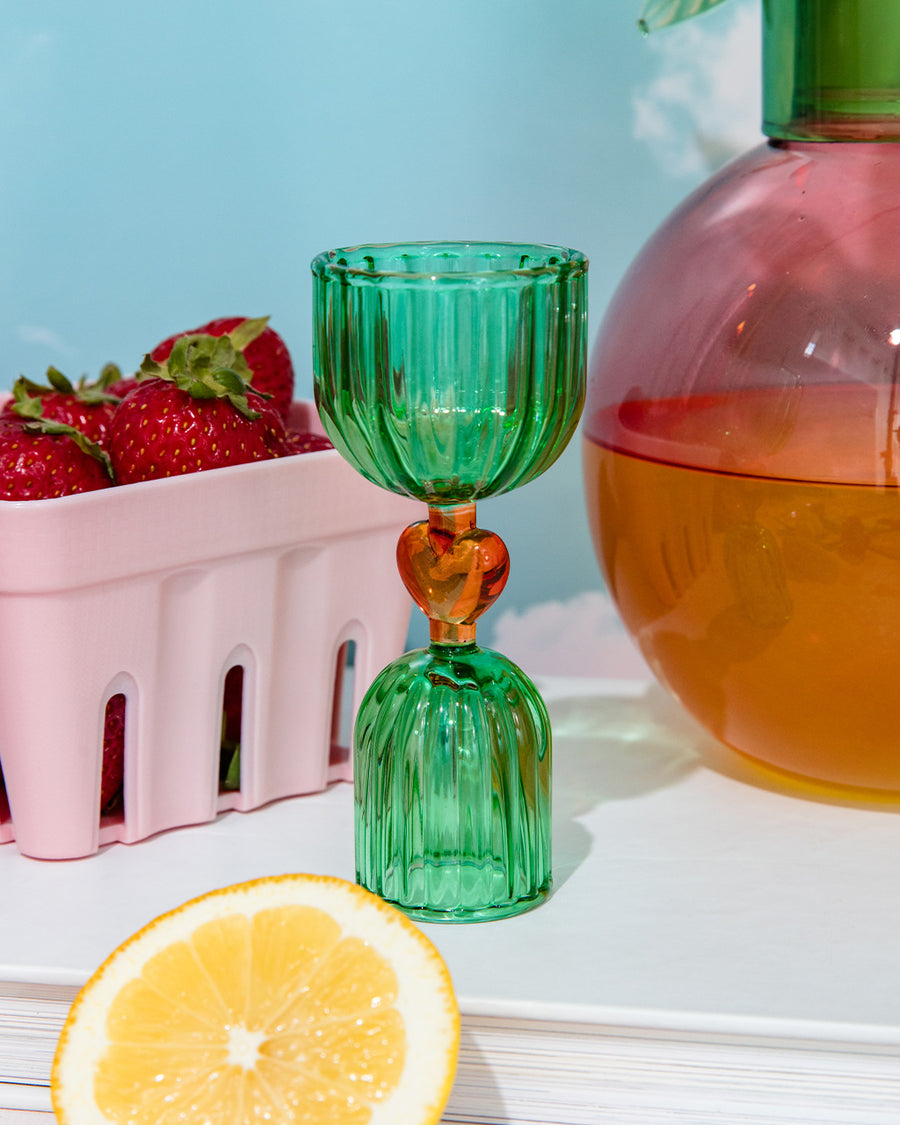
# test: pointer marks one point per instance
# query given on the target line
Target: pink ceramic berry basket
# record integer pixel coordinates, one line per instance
(156, 590)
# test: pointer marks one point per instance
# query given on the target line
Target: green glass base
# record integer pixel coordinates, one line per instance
(487, 914)
(452, 786)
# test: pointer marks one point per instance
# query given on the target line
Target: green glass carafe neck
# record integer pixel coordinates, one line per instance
(831, 70)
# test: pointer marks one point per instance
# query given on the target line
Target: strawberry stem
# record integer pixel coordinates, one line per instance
(208, 367)
(90, 393)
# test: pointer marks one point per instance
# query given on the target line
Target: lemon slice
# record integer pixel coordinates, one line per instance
(293, 998)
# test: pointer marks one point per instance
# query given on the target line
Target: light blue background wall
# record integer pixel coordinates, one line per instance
(167, 162)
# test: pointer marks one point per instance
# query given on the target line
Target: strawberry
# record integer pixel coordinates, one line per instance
(230, 750)
(113, 770)
(302, 441)
(41, 459)
(121, 387)
(87, 406)
(196, 411)
(266, 354)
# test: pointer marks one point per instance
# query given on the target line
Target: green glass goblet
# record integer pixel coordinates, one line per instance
(450, 372)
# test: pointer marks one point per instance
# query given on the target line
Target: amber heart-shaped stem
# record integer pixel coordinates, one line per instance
(453, 570)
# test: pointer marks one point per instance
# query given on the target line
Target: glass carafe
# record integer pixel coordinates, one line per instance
(741, 448)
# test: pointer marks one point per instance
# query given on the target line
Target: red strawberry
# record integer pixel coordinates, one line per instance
(302, 441)
(41, 459)
(232, 700)
(87, 406)
(113, 752)
(230, 749)
(266, 354)
(195, 412)
(123, 386)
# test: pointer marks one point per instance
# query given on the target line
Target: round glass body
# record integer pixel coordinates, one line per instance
(742, 459)
(450, 371)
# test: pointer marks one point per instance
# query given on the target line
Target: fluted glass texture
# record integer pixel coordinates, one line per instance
(452, 785)
(450, 371)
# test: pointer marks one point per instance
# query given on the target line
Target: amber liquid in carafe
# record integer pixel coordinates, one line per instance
(766, 599)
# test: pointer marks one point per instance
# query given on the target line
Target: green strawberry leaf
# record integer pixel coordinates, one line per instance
(149, 368)
(42, 425)
(26, 398)
(198, 364)
(228, 378)
(110, 373)
(90, 393)
(247, 331)
(197, 388)
(59, 382)
(97, 392)
(242, 405)
(231, 761)
(28, 385)
(662, 13)
(177, 361)
(224, 353)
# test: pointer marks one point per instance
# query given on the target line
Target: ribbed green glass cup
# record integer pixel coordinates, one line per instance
(450, 371)
(453, 786)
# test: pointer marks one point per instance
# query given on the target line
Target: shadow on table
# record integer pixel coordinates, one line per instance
(620, 747)
(608, 748)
